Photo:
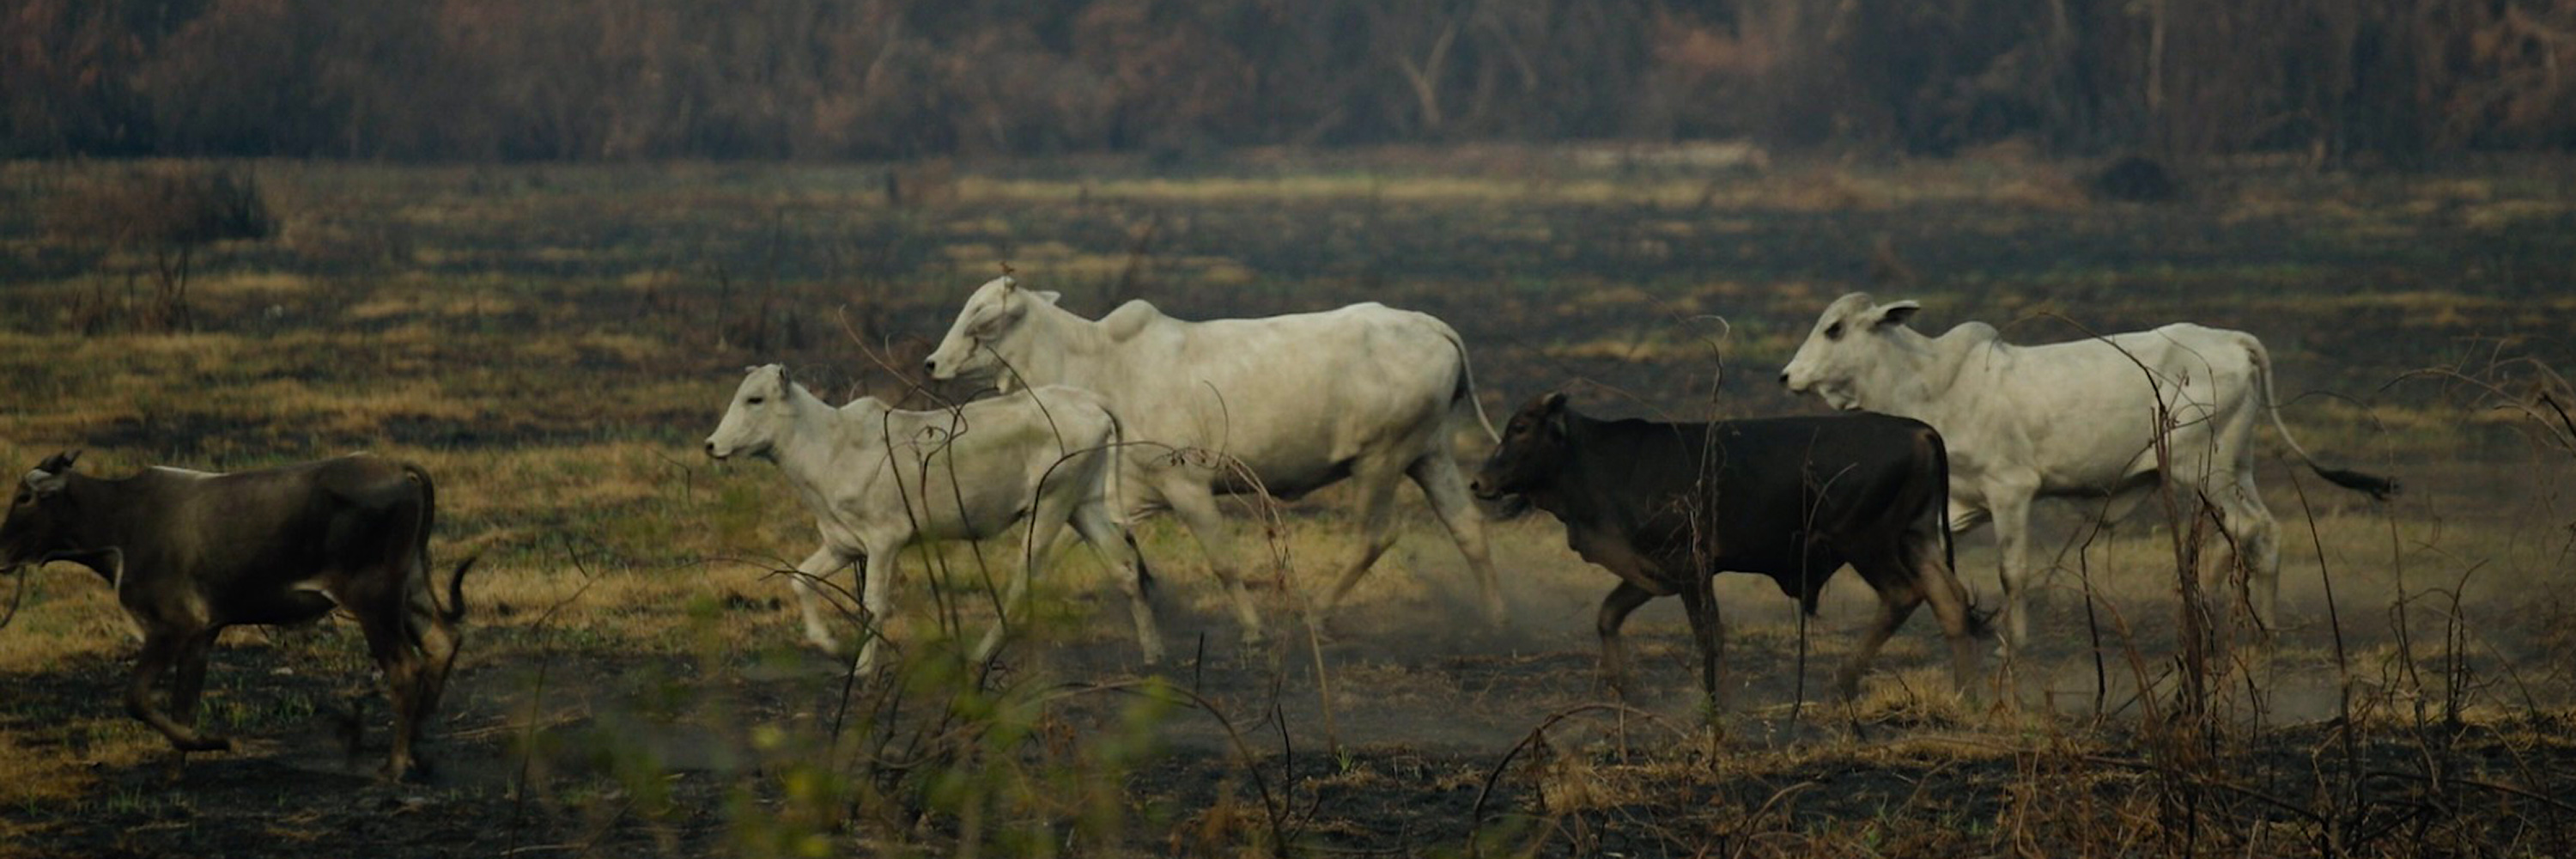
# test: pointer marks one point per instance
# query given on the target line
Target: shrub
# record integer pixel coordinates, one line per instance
(167, 214)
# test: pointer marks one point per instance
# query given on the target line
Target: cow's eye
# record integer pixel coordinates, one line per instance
(753, 401)
(1834, 331)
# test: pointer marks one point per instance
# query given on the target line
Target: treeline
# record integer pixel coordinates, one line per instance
(2398, 80)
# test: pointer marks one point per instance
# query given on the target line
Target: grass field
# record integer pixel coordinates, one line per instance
(552, 343)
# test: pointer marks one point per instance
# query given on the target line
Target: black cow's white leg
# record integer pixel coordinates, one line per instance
(1110, 541)
(817, 567)
(1376, 486)
(1196, 507)
(1614, 614)
(1446, 489)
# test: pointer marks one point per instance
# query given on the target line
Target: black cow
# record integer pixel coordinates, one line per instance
(190, 553)
(1667, 506)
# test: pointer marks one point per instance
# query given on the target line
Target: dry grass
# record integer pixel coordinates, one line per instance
(555, 380)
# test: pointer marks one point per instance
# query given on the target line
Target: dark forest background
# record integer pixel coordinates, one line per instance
(2386, 81)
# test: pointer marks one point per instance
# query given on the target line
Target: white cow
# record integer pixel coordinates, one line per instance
(879, 479)
(2076, 419)
(1300, 401)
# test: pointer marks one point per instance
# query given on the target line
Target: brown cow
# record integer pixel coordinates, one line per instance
(190, 553)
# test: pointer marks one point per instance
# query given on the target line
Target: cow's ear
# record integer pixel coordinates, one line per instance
(60, 462)
(1046, 296)
(1554, 407)
(1895, 313)
(50, 477)
(782, 380)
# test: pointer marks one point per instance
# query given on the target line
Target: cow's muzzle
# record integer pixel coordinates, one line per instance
(714, 454)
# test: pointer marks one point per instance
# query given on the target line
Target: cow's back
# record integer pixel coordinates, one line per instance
(1291, 396)
(306, 519)
(970, 473)
(2085, 414)
(1798, 489)
(1769, 495)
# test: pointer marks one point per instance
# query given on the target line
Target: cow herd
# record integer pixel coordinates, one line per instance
(1099, 421)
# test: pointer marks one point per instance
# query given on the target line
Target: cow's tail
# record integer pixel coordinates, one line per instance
(453, 612)
(2379, 488)
(1980, 619)
(1465, 386)
(1112, 480)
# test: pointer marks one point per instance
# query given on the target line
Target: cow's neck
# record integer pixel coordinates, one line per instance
(815, 438)
(98, 537)
(1915, 367)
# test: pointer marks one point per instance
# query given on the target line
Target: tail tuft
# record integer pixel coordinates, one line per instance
(1981, 620)
(2379, 488)
(1144, 572)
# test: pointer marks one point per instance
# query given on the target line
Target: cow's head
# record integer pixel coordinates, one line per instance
(991, 319)
(760, 408)
(1851, 340)
(37, 512)
(1533, 444)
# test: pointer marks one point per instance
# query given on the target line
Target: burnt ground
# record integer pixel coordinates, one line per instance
(548, 748)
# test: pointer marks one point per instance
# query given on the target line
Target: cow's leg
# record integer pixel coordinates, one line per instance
(876, 600)
(1116, 549)
(1936, 583)
(818, 566)
(1196, 505)
(1897, 600)
(1376, 485)
(380, 607)
(2012, 548)
(1895, 604)
(438, 637)
(2252, 529)
(190, 682)
(1614, 614)
(161, 648)
(438, 657)
(1446, 489)
(1708, 633)
(1046, 524)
